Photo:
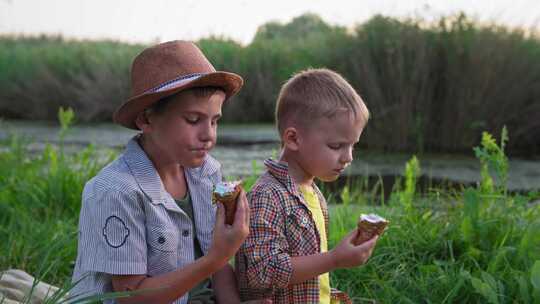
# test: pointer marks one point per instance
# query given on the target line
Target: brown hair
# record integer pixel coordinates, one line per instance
(161, 105)
(316, 93)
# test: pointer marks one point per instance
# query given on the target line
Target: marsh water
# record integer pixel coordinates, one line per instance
(241, 146)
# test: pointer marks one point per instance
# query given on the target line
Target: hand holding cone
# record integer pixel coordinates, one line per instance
(227, 193)
(368, 226)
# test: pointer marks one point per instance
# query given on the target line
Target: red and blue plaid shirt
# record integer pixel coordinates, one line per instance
(281, 227)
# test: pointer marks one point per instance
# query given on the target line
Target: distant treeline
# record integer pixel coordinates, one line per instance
(431, 87)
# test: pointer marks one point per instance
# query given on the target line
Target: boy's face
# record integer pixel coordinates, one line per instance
(325, 148)
(186, 131)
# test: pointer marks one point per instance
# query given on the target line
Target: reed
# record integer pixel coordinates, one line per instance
(423, 81)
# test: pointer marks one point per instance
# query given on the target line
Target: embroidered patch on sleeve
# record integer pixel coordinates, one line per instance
(115, 231)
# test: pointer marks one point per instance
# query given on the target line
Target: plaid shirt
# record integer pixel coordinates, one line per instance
(281, 227)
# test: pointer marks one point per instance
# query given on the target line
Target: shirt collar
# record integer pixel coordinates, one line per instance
(147, 177)
(280, 170)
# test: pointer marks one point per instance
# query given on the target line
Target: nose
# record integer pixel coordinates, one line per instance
(346, 156)
(207, 132)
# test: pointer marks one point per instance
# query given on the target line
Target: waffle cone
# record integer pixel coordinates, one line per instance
(229, 200)
(368, 229)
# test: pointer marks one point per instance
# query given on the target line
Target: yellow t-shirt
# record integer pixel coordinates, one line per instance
(315, 207)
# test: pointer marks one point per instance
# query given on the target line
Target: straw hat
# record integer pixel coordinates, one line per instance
(166, 69)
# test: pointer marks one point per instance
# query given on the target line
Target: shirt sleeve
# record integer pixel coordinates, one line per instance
(265, 249)
(112, 234)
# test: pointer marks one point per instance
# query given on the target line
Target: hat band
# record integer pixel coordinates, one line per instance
(174, 83)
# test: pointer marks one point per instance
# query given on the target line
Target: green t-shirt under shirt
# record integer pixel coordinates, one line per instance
(201, 293)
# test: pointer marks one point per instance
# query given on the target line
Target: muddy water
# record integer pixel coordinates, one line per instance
(239, 146)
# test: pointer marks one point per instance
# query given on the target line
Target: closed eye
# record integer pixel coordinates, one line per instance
(192, 119)
(334, 146)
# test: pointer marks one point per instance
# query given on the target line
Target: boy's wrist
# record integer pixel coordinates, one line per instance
(334, 260)
(214, 262)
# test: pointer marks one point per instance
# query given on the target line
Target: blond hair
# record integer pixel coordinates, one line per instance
(313, 94)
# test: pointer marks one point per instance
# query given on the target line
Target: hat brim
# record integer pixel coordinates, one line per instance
(126, 114)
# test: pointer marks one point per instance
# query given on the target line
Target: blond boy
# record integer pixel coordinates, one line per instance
(285, 257)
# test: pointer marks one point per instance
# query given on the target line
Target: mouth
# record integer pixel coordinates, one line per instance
(200, 151)
(339, 170)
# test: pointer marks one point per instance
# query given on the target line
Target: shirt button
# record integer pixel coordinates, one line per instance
(185, 233)
(161, 240)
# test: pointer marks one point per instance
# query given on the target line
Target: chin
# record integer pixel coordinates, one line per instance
(329, 178)
(194, 163)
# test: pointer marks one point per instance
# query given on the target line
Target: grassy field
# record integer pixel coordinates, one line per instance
(475, 245)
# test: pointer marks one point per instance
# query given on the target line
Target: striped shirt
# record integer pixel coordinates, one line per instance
(130, 225)
(281, 227)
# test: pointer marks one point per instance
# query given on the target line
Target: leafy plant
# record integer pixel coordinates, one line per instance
(492, 158)
(474, 245)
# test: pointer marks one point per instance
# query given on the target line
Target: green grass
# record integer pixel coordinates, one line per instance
(477, 245)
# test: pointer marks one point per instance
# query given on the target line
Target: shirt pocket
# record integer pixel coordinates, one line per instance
(301, 233)
(162, 250)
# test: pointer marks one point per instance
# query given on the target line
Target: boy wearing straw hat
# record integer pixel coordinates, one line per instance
(147, 224)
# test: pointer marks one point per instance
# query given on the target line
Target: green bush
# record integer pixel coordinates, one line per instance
(422, 82)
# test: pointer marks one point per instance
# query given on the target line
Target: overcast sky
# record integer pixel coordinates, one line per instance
(160, 20)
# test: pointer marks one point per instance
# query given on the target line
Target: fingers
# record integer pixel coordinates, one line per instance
(247, 213)
(352, 234)
(220, 218)
(349, 238)
(241, 217)
(371, 242)
(368, 245)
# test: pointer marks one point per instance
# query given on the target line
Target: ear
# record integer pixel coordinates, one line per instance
(291, 139)
(142, 122)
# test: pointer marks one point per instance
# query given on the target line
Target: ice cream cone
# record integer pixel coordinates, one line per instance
(369, 225)
(227, 194)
